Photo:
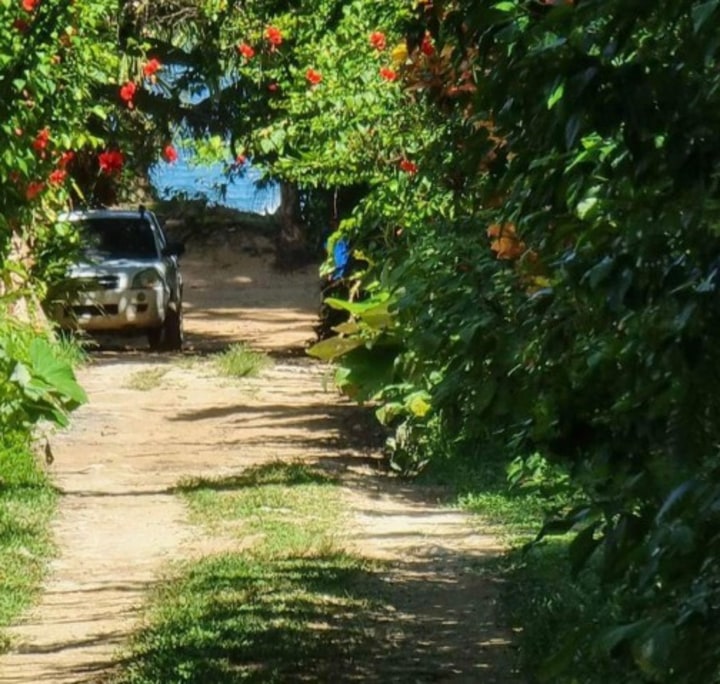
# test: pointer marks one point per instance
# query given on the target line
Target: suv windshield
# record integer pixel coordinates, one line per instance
(118, 238)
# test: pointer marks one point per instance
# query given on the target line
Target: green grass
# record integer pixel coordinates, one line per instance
(240, 361)
(291, 608)
(293, 508)
(71, 348)
(146, 379)
(27, 503)
(480, 485)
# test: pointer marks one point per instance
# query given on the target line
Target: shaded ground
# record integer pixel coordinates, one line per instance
(119, 523)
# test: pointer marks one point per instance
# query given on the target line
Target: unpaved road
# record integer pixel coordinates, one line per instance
(119, 524)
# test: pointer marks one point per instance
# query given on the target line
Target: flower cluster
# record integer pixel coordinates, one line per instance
(169, 154)
(151, 67)
(41, 141)
(58, 177)
(274, 36)
(388, 74)
(378, 40)
(33, 189)
(111, 161)
(313, 77)
(30, 5)
(127, 93)
(246, 50)
(505, 242)
(427, 47)
(60, 174)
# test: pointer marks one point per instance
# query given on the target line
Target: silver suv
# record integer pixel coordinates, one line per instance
(128, 280)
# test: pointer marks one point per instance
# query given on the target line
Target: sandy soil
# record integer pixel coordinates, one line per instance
(119, 524)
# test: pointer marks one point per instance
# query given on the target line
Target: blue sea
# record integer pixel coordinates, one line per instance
(186, 179)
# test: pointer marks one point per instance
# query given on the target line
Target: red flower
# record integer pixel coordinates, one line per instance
(273, 35)
(240, 160)
(388, 74)
(57, 177)
(127, 92)
(247, 51)
(313, 77)
(272, 87)
(427, 46)
(66, 158)
(408, 167)
(169, 154)
(34, 189)
(151, 67)
(111, 161)
(377, 40)
(41, 140)
(30, 5)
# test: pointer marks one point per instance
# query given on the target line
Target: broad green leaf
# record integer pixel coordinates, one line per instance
(613, 637)
(57, 374)
(556, 96)
(418, 404)
(333, 347)
(702, 12)
(21, 375)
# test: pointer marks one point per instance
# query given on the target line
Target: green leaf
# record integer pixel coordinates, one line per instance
(21, 375)
(613, 637)
(582, 547)
(562, 659)
(652, 651)
(599, 272)
(418, 404)
(701, 13)
(57, 374)
(333, 347)
(556, 96)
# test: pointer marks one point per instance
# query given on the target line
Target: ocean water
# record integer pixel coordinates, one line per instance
(186, 179)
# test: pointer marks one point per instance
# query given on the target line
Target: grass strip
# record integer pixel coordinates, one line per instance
(291, 608)
(27, 503)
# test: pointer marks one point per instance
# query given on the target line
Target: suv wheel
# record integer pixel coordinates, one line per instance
(169, 337)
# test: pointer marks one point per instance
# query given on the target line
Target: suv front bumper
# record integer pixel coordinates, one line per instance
(109, 310)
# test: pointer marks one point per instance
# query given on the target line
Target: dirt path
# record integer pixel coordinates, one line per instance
(119, 523)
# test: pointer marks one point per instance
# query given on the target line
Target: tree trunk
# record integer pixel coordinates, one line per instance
(20, 302)
(292, 250)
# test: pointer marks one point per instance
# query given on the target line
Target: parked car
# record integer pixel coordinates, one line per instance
(128, 280)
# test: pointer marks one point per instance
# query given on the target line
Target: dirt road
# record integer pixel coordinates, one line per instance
(119, 523)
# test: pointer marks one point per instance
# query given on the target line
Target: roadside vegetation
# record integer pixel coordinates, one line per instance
(37, 386)
(241, 361)
(523, 200)
(289, 606)
(27, 502)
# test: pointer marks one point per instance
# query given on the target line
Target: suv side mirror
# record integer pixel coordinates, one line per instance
(176, 249)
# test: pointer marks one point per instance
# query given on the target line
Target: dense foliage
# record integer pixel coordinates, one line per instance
(544, 275)
(529, 189)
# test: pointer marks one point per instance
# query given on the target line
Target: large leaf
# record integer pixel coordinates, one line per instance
(57, 374)
(335, 347)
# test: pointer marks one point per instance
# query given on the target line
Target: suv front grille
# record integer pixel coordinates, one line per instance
(107, 310)
(107, 282)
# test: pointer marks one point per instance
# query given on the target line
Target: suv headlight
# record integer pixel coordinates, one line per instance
(146, 279)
